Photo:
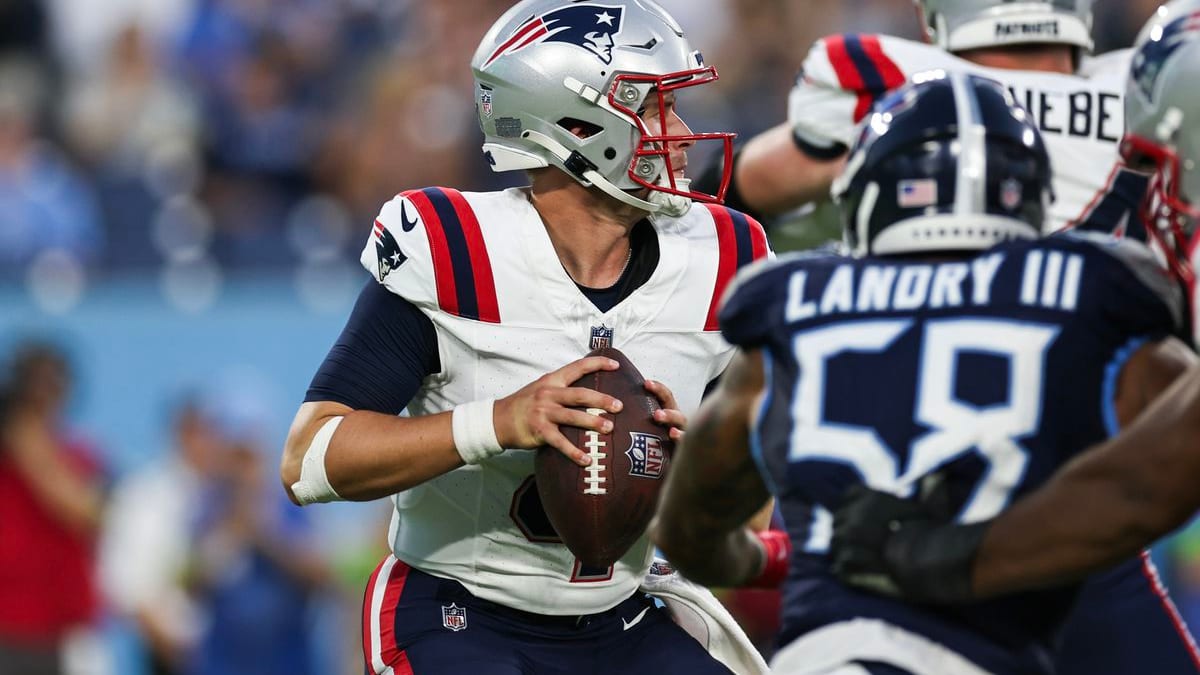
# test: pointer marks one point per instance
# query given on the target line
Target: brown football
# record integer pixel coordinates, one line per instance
(600, 510)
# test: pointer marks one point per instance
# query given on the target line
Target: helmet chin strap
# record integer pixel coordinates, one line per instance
(663, 203)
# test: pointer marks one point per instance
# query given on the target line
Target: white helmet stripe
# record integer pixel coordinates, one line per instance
(970, 193)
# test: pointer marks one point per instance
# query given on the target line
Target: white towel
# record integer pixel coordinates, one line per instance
(699, 612)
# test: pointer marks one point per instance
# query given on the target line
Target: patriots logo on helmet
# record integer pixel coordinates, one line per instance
(1150, 59)
(646, 456)
(589, 26)
(387, 251)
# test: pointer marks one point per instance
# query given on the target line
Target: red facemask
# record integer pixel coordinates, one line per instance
(656, 143)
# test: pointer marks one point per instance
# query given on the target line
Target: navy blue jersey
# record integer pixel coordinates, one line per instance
(989, 372)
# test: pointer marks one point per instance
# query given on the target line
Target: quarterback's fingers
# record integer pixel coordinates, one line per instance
(666, 398)
(555, 439)
(669, 417)
(582, 397)
(570, 417)
(577, 369)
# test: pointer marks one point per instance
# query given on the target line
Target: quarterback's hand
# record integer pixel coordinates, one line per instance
(903, 548)
(530, 417)
(669, 415)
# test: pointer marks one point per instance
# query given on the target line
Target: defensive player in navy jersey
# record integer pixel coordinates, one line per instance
(1040, 50)
(476, 322)
(953, 352)
(1138, 486)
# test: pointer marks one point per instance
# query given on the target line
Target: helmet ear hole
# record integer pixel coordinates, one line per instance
(610, 153)
(580, 128)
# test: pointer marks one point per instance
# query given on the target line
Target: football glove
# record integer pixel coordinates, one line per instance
(903, 548)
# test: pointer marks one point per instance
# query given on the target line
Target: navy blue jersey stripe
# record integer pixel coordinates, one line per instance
(741, 233)
(460, 255)
(872, 78)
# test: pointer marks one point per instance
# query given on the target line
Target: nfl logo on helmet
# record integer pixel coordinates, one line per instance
(485, 100)
(646, 457)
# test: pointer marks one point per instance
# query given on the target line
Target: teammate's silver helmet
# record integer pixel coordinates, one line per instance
(956, 25)
(1162, 117)
(548, 66)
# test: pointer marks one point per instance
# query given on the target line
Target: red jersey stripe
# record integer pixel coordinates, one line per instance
(892, 75)
(481, 264)
(439, 250)
(727, 262)
(847, 74)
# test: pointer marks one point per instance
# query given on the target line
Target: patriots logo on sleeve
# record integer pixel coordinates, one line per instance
(586, 25)
(387, 251)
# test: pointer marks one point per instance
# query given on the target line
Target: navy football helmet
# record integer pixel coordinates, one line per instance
(948, 162)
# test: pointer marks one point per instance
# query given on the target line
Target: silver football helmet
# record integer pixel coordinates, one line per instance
(1162, 117)
(560, 83)
(956, 25)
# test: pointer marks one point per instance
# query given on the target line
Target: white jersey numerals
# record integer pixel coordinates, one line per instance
(956, 427)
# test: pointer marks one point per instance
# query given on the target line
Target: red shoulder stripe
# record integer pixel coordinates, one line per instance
(481, 264)
(443, 265)
(727, 263)
(892, 75)
(847, 74)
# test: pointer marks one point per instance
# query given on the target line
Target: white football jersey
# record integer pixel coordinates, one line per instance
(482, 267)
(1081, 116)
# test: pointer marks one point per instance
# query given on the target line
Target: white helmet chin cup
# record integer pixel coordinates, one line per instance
(671, 204)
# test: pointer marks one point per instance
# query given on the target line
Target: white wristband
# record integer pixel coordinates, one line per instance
(313, 485)
(474, 433)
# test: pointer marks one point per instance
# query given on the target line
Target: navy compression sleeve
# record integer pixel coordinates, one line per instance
(378, 362)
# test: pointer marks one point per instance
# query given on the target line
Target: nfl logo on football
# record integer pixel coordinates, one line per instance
(454, 617)
(645, 455)
(602, 337)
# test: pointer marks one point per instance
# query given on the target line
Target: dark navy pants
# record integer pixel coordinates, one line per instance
(424, 625)
(1124, 624)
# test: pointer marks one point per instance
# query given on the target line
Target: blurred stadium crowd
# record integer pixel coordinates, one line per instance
(172, 145)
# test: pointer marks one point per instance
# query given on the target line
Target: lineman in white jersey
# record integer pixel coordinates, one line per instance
(478, 301)
(1039, 50)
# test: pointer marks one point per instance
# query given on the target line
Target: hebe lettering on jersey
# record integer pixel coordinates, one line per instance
(1082, 114)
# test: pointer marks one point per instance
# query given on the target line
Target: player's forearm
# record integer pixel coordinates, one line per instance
(774, 176)
(719, 559)
(372, 455)
(1105, 505)
(714, 487)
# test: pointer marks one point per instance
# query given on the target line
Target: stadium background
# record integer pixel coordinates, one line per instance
(185, 186)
